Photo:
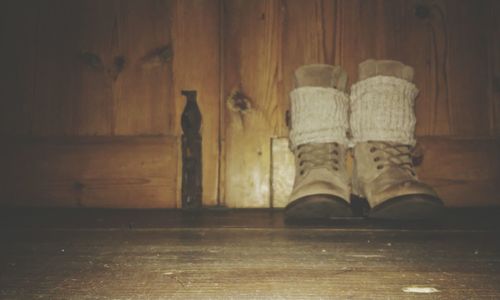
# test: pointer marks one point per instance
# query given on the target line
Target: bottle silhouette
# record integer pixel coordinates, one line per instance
(191, 153)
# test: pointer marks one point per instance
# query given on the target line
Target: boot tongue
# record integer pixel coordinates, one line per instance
(318, 75)
(370, 68)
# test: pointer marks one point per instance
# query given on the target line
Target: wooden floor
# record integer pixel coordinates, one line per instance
(110, 254)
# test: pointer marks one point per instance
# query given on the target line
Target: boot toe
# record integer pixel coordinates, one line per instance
(317, 207)
(408, 207)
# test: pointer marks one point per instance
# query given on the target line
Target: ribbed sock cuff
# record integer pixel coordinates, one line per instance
(382, 110)
(318, 115)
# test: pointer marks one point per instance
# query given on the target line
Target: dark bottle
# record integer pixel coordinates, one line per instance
(191, 153)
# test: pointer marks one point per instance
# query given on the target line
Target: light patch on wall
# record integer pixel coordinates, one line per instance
(282, 172)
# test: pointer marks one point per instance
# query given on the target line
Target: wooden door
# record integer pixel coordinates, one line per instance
(91, 98)
(453, 46)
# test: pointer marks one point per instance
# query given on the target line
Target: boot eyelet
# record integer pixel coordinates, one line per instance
(302, 172)
(373, 149)
(379, 167)
(376, 159)
(335, 161)
(301, 163)
(335, 152)
(335, 168)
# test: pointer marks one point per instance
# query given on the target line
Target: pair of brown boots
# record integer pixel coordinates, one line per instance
(377, 121)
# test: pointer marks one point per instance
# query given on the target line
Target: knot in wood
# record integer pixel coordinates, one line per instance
(239, 102)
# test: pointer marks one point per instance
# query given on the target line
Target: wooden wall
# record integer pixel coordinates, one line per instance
(90, 93)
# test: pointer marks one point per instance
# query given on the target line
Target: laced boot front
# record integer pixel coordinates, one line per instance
(383, 130)
(321, 186)
(319, 122)
(385, 175)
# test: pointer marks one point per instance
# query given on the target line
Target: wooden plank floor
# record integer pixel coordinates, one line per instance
(108, 254)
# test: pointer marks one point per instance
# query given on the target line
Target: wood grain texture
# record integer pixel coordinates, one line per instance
(464, 172)
(440, 39)
(420, 33)
(424, 28)
(392, 30)
(17, 57)
(494, 66)
(54, 88)
(252, 51)
(249, 263)
(125, 90)
(91, 87)
(308, 38)
(367, 29)
(116, 68)
(144, 99)
(90, 172)
(196, 65)
(468, 68)
(71, 97)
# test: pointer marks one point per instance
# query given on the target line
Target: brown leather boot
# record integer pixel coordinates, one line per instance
(383, 125)
(319, 123)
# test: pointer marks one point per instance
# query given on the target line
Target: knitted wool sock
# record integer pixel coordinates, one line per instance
(318, 115)
(382, 110)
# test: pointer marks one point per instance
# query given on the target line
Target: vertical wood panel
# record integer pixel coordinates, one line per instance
(91, 92)
(93, 105)
(441, 40)
(308, 38)
(18, 26)
(71, 97)
(385, 29)
(196, 67)
(252, 48)
(369, 29)
(56, 72)
(468, 67)
(64, 60)
(144, 102)
(74, 97)
(494, 66)
(424, 46)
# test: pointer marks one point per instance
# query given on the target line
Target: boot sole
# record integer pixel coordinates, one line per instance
(408, 207)
(318, 207)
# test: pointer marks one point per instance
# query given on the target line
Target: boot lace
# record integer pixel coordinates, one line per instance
(397, 155)
(318, 156)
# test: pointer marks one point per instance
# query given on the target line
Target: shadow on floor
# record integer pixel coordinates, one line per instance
(81, 218)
